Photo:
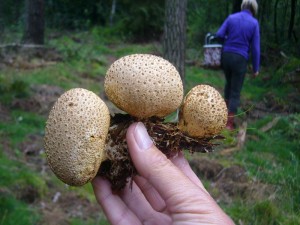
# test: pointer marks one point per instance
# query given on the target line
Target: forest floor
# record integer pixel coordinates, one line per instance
(244, 173)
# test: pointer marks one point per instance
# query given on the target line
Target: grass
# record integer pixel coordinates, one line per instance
(89, 222)
(22, 124)
(15, 176)
(270, 158)
(14, 212)
(262, 212)
(196, 75)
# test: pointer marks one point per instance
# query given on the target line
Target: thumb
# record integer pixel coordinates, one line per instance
(181, 195)
(154, 166)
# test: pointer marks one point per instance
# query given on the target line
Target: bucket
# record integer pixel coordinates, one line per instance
(212, 53)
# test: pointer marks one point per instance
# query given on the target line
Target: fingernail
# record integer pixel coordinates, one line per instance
(141, 136)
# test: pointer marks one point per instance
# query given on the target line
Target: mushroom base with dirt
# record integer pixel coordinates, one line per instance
(118, 167)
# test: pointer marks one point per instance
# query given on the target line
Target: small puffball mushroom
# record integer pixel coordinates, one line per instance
(75, 136)
(144, 85)
(203, 112)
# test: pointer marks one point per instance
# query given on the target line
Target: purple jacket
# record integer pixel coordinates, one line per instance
(240, 32)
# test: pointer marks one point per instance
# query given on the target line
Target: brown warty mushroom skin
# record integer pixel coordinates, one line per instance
(81, 140)
(203, 112)
(75, 136)
(144, 86)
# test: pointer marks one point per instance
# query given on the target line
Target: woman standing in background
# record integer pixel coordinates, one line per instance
(240, 33)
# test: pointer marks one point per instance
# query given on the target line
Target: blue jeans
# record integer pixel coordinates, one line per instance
(235, 68)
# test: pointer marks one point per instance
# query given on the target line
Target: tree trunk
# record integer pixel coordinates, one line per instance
(275, 21)
(174, 39)
(34, 23)
(262, 12)
(1, 22)
(112, 12)
(283, 28)
(292, 19)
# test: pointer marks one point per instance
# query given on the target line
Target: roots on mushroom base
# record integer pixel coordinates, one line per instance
(118, 167)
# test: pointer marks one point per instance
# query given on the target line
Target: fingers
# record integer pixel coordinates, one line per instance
(135, 200)
(166, 185)
(113, 206)
(161, 173)
(181, 163)
(151, 194)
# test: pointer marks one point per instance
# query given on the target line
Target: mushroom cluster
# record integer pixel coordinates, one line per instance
(83, 140)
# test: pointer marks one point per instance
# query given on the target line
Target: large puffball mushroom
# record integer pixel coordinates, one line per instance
(75, 136)
(203, 112)
(144, 85)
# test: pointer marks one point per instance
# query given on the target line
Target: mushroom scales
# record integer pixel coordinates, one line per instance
(203, 112)
(144, 85)
(83, 140)
(75, 136)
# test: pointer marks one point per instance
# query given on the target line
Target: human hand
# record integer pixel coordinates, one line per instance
(166, 191)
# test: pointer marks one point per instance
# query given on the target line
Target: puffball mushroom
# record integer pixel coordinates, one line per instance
(144, 85)
(81, 140)
(203, 112)
(75, 136)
